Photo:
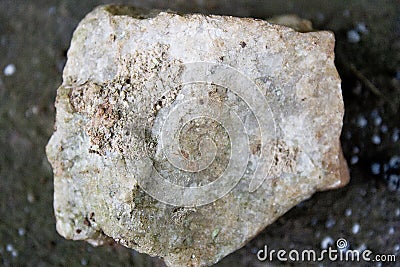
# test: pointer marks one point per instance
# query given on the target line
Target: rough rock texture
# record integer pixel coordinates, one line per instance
(154, 97)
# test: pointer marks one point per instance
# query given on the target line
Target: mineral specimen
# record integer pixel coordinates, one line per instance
(183, 136)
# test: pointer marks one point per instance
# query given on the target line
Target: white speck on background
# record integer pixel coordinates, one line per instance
(52, 10)
(9, 70)
(326, 242)
(84, 262)
(385, 167)
(348, 212)
(376, 139)
(394, 162)
(391, 231)
(375, 168)
(395, 136)
(356, 150)
(362, 28)
(355, 229)
(377, 120)
(320, 16)
(393, 181)
(35, 110)
(12, 250)
(3, 40)
(353, 36)
(348, 135)
(354, 160)
(21, 231)
(361, 248)
(330, 223)
(254, 250)
(314, 221)
(30, 197)
(9, 247)
(397, 213)
(362, 122)
(357, 89)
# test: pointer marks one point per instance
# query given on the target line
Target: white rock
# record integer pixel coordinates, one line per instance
(9, 70)
(259, 111)
(356, 228)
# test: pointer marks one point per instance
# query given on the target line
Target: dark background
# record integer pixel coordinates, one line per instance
(35, 35)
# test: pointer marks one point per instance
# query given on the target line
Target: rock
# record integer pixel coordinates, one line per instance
(183, 136)
(293, 21)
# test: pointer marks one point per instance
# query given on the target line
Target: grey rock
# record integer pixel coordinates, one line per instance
(183, 136)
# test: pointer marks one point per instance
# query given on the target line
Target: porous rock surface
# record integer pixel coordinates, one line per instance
(130, 70)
